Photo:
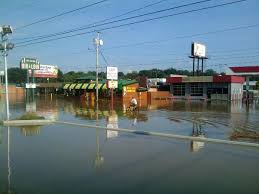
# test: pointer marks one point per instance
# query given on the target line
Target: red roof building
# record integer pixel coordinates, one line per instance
(243, 70)
(219, 87)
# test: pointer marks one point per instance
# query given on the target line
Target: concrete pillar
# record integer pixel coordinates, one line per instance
(205, 89)
(247, 82)
(187, 90)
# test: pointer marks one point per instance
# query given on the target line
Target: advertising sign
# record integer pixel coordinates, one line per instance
(112, 84)
(30, 85)
(198, 50)
(112, 73)
(46, 71)
(29, 63)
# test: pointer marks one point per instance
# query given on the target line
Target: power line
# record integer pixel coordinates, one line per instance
(112, 22)
(186, 36)
(104, 58)
(107, 19)
(59, 15)
(136, 22)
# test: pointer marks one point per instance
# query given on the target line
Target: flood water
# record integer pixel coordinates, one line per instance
(62, 158)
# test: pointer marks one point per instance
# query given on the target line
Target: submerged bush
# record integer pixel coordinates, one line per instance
(30, 116)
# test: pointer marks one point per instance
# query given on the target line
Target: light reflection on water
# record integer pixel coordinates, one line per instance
(69, 159)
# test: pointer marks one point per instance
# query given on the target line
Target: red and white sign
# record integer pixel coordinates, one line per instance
(112, 73)
(111, 84)
(46, 71)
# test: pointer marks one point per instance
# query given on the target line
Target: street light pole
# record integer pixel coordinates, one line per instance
(4, 48)
(6, 81)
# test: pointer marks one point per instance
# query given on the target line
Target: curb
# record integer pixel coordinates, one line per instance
(27, 122)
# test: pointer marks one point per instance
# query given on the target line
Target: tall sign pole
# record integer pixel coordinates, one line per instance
(112, 77)
(30, 64)
(198, 51)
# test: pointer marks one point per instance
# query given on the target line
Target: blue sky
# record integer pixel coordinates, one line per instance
(127, 47)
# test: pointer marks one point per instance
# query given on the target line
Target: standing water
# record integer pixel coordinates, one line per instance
(63, 159)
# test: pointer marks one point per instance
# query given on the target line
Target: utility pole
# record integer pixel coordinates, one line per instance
(98, 42)
(97, 64)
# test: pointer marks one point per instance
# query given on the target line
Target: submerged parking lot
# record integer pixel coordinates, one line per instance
(69, 159)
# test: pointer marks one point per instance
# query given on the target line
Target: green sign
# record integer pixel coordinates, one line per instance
(29, 63)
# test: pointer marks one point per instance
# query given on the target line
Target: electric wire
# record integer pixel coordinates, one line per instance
(112, 22)
(59, 15)
(136, 22)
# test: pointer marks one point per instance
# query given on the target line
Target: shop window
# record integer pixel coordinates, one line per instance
(179, 89)
(196, 89)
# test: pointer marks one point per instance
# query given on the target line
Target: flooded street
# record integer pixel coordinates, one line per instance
(69, 159)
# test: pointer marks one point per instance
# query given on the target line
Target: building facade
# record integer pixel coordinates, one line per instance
(206, 87)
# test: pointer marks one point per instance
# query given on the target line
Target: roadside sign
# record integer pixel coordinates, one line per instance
(112, 73)
(46, 71)
(30, 85)
(112, 84)
(29, 63)
(1, 73)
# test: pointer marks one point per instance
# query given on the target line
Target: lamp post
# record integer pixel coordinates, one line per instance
(4, 48)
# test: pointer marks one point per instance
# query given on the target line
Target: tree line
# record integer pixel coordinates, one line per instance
(19, 76)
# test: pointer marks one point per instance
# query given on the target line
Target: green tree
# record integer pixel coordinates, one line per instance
(121, 75)
(210, 72)
(60, 77)
(132, 75)
(17, 75)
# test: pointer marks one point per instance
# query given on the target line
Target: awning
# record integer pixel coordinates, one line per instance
(72, 86)
(99, 86)
(91, 86)
(84, 86)
(104, 86)
(66, 86)
(78, 86)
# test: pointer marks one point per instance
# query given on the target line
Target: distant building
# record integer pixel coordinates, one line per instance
(207, 87)
(243, 71)
(247, 72)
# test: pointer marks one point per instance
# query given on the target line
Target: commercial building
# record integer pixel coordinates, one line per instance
(245, 71)
(218, 87)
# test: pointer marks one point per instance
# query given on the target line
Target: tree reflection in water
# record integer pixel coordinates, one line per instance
(30, 130)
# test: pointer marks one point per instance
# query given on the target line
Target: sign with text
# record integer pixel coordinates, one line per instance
(46, 71)
(29, 63)
(112, 84)
(112, 73)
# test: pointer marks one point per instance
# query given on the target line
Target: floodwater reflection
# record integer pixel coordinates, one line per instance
(30, 130)
(64, 159)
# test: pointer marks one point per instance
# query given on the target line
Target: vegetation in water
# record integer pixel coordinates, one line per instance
(30, 116)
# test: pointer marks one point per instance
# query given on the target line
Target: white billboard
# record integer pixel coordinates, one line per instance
(46, 71)
(112, 73)
(198, 50)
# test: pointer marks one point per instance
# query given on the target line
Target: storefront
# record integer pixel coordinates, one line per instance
(207, 87)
